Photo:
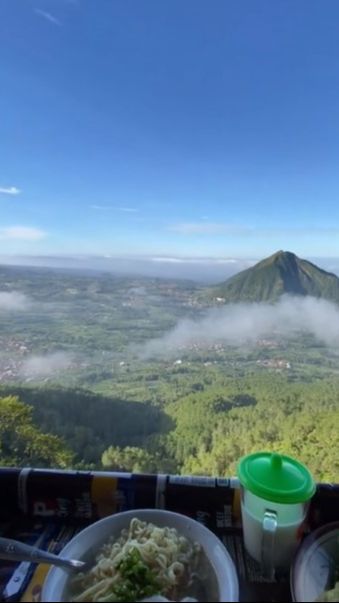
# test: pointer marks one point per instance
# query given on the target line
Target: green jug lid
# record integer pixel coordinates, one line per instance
(276, 477)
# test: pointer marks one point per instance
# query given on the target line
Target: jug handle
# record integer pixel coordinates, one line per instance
(270, 524)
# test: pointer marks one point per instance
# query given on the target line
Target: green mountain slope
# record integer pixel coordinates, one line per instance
(281, 273)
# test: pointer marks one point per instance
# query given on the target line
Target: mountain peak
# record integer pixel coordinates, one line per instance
(281, 273)
(281, 255)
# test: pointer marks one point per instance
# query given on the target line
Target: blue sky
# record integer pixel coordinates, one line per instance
(169, 128)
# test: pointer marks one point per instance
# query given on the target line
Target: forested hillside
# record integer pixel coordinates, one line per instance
(204, 432)
(214, 430)
(88, 422)
(23, 444)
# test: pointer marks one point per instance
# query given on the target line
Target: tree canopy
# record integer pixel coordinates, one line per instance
(24, 444)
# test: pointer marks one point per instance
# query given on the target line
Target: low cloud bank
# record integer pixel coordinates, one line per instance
(46, 366)
(237, 324)
(14, 300)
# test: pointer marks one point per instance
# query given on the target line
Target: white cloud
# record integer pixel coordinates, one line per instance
(170, 260)
(10, 190)
(14, 300)
(208, 228)
(48, 16)
(305, 231)
(22, 233)
(236, 324)
(222, 228)
(45, 366)
(125, 209)
(101, 207)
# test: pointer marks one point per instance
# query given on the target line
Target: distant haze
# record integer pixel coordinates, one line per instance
(236, 324)
(201, 269)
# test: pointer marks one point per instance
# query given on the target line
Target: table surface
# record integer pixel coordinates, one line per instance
(49, 507)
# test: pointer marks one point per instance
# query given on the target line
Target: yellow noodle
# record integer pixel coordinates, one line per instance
(172, 558)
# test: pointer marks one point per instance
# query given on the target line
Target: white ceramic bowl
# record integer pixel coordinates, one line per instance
(316, 564)
(90, 539)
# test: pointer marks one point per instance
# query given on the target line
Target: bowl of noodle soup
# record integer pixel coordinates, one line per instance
(137, 555)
